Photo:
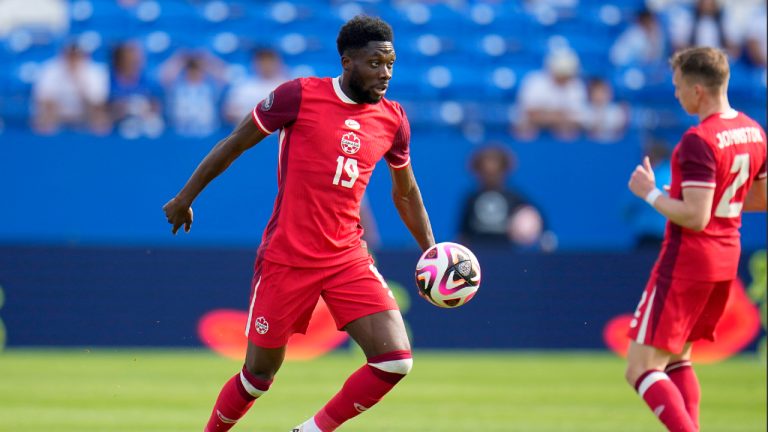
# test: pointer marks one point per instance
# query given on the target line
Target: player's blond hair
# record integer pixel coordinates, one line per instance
(705, 65)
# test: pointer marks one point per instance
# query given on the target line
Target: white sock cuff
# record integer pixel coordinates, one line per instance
(401, 366)
(253, 391)
(649, 380)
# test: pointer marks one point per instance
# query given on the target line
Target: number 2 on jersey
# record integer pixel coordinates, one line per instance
(350, 167)
(726, 208)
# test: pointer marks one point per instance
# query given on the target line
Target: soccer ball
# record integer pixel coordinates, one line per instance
(448, 275)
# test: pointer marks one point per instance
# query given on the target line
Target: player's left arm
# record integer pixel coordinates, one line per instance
(757, 197)
(692, 212)
(410, 206)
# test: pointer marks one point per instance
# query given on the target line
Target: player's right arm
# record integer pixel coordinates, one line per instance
(757, 197)
(178, 210)
(693, 210)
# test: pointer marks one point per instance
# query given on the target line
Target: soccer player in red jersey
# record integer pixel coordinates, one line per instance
(332, 132)
(718, 171)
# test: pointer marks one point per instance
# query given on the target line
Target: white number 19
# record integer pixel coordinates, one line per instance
(350, 167)
(726, 208)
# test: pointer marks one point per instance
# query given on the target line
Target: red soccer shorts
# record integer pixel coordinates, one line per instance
(673, 312)
(283, 298)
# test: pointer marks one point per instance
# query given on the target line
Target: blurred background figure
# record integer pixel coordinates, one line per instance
(604, 119)
(268, 72)
(643, 44)
(756, 38)
(646, 223)
(134, 107)
(708, 23)
(71, 91)
(49, 14)
(552, 99)
(496, 214)
(193, 82)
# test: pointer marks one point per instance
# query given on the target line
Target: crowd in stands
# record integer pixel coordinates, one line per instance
(564, 98)
(543, 67)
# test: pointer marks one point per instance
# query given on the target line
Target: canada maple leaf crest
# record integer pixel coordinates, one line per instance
(350, 143)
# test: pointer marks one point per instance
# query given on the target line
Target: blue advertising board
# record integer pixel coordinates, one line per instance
(83, 296)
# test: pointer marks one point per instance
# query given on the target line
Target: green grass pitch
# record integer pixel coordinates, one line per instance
(145, 390)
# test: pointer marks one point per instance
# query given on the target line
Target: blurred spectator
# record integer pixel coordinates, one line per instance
(48, 14)
(553, 98)
(756, 38)
(193, 83)
(496, 215)
(134, 106)
(642, 44)
(71, 91)
(708, 24)
(604, 119)
(647, 224)
(268, 72)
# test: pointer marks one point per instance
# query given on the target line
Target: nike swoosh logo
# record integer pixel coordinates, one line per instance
(225, 419)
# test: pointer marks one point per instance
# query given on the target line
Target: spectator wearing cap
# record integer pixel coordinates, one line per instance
(71, 92)
(552, 99)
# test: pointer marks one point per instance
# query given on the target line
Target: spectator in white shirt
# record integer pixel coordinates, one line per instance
(641, 44)
(193, 81)
(268, 73)
(604, 119)
(709, 24)
(756, 40)
(552, 99)
(71, 91)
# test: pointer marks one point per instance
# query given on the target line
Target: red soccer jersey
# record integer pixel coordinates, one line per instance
(329, 146)
(726, 152)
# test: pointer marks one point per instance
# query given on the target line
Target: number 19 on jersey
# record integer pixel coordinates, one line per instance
(349, 166)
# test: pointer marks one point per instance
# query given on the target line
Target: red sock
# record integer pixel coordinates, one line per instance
(665, 400)
(235, 399)
(364, 388)
(682, 374)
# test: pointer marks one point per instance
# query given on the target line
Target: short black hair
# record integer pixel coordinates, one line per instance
(360, 30)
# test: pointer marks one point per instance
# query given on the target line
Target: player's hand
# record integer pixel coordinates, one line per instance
(178, 214)
(642, 180)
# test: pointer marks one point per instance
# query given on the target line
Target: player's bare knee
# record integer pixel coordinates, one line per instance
(632, 373)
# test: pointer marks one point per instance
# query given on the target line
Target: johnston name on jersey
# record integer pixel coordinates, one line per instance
(726, 152)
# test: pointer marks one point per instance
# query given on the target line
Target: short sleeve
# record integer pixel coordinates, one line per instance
(697, 162)
(279, 108)
(399, 155)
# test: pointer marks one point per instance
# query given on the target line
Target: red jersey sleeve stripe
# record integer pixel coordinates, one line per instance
(403, 165)
(700, 184)
(256, 120)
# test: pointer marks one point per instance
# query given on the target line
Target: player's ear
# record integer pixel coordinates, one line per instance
(346, 62)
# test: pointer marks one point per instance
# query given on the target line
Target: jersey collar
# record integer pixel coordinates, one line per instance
(339, 93)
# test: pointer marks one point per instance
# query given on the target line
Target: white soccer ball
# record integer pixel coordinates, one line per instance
(448, 275)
